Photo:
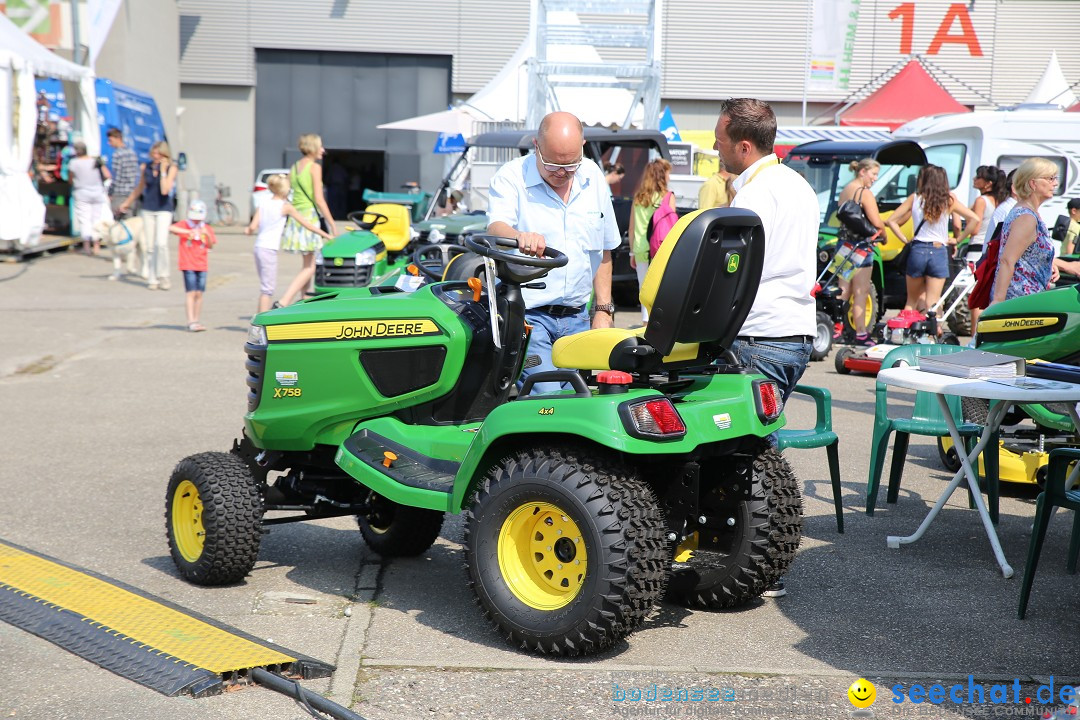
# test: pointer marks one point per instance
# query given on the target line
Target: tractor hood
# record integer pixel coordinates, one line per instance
(351, 243)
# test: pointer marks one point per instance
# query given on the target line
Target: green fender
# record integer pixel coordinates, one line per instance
(714, 408)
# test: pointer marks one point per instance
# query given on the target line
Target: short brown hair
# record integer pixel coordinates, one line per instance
(751, 120)
(115, 132)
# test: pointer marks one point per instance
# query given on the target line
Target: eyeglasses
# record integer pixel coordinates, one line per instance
(570, 168)
(1054, 179)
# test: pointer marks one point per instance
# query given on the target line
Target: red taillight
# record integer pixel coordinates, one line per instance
(653, 419)
(259, 187)
(768, 400)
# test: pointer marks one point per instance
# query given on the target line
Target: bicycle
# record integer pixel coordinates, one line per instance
(226, 211)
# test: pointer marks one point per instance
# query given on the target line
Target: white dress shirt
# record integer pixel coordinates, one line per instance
(789, 212)
(582, 227)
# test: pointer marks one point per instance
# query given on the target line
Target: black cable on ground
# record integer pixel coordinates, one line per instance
(311, 701)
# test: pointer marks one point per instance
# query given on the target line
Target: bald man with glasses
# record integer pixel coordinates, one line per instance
(556, 196)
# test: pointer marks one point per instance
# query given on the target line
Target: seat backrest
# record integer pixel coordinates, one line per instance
(926, 404)
(395, 231)
(703, 281)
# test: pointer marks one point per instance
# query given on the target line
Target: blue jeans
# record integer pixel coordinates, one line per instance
(784, 362)
(925, 260)
(194, 280)
(545, 331)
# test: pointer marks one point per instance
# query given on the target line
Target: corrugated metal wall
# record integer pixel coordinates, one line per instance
(481, 35)
(711, 50)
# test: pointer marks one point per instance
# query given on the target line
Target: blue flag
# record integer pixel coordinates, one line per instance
(668, 127)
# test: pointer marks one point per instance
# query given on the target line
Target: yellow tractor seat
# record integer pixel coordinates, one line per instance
(395, 232)
(698, 291)
(611, 349)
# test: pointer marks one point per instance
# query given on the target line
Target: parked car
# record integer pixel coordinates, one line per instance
(260, 192)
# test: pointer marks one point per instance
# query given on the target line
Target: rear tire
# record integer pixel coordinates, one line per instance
(761, 543)
(949, 459)
(395, 530)
(565, 551)
(822, 343)
(213, 518)
(838, 361)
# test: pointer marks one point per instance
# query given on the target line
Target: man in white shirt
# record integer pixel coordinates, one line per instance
(775, 339)
(556, 196)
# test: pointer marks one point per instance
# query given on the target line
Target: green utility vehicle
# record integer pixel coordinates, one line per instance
(581, 507)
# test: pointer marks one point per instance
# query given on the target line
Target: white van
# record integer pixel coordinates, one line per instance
(961, 142)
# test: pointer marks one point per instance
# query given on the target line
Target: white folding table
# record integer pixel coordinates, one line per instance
(1002, 396)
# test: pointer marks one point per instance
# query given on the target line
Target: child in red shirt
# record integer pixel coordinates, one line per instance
(196, 239)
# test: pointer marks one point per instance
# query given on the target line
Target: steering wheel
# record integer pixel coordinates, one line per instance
(355, 216)
(485, 245)
(431, 260)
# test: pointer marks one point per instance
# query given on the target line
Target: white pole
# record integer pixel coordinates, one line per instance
(806, 57)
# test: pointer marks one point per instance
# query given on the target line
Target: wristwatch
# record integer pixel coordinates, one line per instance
(609, 308)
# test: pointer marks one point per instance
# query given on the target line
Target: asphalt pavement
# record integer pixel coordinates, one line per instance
(103, 390)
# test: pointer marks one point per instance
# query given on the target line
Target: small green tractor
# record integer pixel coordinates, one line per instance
(651, 472)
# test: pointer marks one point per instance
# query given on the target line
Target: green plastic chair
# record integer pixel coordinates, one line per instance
(1055, 495)
(821, 435)
(926, 419)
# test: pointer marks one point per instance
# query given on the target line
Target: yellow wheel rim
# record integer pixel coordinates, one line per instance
(188, 531)
(867, 316)
(542, 556)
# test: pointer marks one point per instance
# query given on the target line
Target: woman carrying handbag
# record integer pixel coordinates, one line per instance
(305, 178)
(859, 219)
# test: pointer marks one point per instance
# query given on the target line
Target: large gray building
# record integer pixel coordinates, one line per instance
(252, 76)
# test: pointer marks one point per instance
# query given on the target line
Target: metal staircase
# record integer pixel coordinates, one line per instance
(628, 29)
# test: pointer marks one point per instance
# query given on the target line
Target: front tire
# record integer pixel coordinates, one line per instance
(565, 551)
(838, 361)
(761, 532)
(213, 516)
(948, 457)
(822, 344)
(395, 530)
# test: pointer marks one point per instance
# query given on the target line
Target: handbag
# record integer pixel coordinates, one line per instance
(852, 216)
(986, 271)
(323, 225)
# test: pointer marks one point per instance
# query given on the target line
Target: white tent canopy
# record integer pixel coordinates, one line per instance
(1052, 88)
(22, 211)
(506, 96)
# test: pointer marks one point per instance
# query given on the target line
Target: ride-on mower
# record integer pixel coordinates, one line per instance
(1043, 326)
(582, 506)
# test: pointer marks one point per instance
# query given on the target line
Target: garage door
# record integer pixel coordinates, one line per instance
(342, 96)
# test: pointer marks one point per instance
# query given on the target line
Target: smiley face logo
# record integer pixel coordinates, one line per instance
(862, 693)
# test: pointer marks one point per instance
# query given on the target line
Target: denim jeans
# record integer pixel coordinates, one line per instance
(783, 362)
(545, 331)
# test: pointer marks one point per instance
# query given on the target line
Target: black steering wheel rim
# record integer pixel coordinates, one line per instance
(380, 219)
(485, 245)
(447, 252)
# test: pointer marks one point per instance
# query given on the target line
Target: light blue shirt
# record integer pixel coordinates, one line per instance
(583, 227)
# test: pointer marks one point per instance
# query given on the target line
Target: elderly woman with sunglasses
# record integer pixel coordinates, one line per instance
(556, 196)
(1026, 259)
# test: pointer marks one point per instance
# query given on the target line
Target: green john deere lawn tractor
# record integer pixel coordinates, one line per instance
(651, 471)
